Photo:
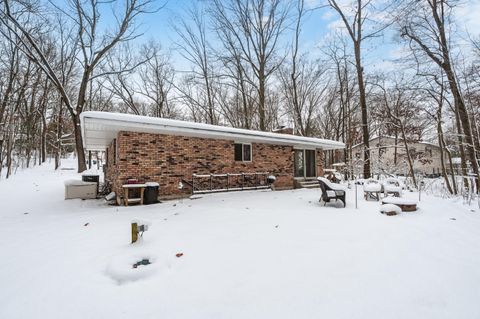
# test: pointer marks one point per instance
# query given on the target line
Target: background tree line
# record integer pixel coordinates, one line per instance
(245, 66)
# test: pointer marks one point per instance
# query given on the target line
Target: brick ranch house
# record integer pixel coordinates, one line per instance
(173, 153)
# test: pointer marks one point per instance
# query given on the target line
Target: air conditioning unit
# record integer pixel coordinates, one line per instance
(80, 189)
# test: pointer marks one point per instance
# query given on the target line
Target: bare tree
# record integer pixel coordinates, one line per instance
(436, 91)
(355, 26)
(256, 27)
(195, 48)
(92, 44)
(237, 96)
(399, 108)
(347, 93)
(425, 27)
(156, 81)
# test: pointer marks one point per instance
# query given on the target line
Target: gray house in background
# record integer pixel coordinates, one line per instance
(390, 157)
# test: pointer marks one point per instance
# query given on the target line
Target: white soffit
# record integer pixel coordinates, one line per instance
(100, 128)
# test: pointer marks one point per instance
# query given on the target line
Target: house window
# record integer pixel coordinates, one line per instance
(382, 150)
(243, 152)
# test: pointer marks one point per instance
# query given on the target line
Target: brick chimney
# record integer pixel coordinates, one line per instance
(283, 130)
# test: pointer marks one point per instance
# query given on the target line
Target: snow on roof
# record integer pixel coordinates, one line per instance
(392, 137)
(100, 128)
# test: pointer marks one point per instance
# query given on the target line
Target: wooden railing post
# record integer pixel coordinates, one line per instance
(134, 232)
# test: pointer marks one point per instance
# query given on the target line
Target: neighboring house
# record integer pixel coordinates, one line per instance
(171, 152)
(457, 166)
(426, 157)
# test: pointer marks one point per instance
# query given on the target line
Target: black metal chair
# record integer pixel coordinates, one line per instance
(330, 192)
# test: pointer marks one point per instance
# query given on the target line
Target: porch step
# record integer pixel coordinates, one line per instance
(309, 184)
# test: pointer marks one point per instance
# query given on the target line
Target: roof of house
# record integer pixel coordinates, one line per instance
(392, 137)
(100, 128)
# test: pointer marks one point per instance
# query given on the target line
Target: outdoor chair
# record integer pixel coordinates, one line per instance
(372, 189)
(331, 191)
(392, 186)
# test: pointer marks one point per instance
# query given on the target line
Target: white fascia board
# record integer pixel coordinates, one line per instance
(114, 122)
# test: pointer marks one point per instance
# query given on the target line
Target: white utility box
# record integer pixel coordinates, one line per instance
(80, 189)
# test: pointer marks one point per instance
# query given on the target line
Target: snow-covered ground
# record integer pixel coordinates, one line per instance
(245, 255)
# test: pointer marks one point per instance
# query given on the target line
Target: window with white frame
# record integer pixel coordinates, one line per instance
(243, 152)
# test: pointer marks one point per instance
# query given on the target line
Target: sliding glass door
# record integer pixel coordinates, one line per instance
(299, 163)
(310, 165)
(304, 163)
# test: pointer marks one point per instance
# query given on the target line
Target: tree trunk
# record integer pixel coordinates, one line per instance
(9, 154)
(450, 163)
(82, 166)
(464, 119)
(261, 99)
(454, 88)
(409, 156)
(44, 140)
(441, 143)
(241, 83)
(58, 151)
(460, 143)
(395, 151)
(363, 107)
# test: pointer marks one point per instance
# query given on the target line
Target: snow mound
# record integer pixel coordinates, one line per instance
(399, 201)
(122, 271)
(386, 208)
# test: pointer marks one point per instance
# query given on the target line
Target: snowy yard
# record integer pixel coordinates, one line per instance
(245, 255)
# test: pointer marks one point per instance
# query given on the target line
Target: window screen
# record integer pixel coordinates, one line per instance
(247, 152)
(238, 152)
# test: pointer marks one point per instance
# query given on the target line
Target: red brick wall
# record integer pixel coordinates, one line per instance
(168, 159)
